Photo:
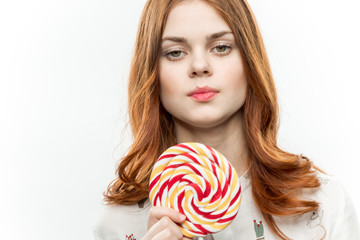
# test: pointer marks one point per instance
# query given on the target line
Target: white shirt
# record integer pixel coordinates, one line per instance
(335, 219)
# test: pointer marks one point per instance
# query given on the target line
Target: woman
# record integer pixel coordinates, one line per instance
(200, 73)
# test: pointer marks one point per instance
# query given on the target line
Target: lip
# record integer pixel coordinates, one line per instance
(203, 94)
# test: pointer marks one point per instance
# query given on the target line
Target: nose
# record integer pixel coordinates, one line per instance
(200, 66)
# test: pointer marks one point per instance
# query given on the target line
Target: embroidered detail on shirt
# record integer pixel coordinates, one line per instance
(259, 230)
(314, 223)
(323, 180)
(130, 237)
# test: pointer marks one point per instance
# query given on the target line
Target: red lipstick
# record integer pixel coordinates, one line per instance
(203, 94)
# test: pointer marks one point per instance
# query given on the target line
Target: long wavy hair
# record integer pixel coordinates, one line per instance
(276, 175)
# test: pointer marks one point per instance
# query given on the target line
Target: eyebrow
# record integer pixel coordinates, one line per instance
(209, 38)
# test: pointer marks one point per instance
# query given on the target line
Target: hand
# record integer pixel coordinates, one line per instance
(162, 224)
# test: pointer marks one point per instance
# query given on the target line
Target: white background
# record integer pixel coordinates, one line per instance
(63, 74)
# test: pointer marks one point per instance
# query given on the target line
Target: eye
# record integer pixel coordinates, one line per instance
(174, 55)
(222, 49)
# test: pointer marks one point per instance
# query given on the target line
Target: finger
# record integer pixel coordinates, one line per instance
(165, 228)
(167, 234)
(159, 212)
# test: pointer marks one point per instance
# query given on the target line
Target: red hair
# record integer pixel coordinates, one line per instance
(276, 175)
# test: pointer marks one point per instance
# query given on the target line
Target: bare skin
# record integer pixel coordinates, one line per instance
(204, 58)
(207, 56)
(162, 224)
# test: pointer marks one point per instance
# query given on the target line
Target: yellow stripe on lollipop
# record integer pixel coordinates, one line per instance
(173, 151)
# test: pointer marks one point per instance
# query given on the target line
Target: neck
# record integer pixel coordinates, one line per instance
(228, 138)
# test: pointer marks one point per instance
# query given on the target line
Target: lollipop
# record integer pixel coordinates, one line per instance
(197, 181)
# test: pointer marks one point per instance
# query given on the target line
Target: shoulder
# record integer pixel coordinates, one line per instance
(331, 194)
(331, 191)
(118, 222)
(336, 211)
(334, 219)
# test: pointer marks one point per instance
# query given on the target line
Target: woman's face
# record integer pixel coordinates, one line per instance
(202, 78)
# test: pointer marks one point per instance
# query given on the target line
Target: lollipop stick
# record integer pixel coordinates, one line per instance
(208, 237)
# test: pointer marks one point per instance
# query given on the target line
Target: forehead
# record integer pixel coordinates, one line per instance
(194, 17)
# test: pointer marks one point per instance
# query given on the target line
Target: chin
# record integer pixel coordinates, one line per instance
(207, 121)
(204, 123)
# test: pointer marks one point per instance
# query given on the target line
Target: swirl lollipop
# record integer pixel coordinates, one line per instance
(197, 181)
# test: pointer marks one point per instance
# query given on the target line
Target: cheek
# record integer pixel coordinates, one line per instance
(172, 76)
(169, 81)
(234, 75)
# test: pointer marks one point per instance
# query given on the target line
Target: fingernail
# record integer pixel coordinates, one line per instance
(181, 217)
